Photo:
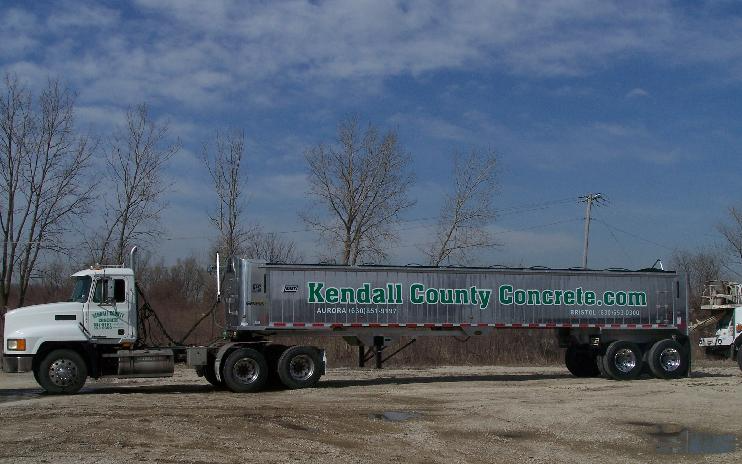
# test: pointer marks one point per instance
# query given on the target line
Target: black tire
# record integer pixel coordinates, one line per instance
(272, 355)
(210, 375)
(62, 372)
(245, 371)
(300, 367)
(667, 360)
(601, 366)
(580, 361)
(623, 360)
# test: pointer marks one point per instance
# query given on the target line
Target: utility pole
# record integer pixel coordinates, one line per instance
(589, 199)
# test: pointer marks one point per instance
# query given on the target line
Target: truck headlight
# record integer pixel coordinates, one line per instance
(16, 344)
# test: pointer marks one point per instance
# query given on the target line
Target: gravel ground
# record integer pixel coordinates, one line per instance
(445, 414)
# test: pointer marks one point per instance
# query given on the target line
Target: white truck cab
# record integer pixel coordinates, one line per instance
(92, 334)
(724, 300)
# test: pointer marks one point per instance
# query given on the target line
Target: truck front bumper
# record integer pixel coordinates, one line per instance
(14, 364)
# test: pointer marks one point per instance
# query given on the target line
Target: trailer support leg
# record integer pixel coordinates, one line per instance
(361, 356)
(378, 348)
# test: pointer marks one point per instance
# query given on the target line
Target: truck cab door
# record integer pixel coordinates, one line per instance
(109, 310)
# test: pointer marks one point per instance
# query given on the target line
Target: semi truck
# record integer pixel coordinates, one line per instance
(723, 299)
(614, 323)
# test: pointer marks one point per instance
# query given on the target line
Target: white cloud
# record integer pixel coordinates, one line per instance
(197, 53)
(637, 92)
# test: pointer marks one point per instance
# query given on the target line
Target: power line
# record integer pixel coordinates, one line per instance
(635, 236)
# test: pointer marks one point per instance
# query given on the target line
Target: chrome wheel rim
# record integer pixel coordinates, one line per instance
(670, 359)
(63, 372)
(625, 360)
(246, 370)
(301, 367)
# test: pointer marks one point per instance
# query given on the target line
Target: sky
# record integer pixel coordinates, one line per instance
(636, 100)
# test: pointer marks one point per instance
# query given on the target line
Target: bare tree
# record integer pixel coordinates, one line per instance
(135, 162)
(224, 163)
(732, 231)
(44, 170)
(362, 183)
(700, 266)
(467, 210)
(271, 247)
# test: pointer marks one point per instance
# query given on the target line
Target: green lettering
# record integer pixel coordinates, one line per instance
(364, 294)
(520, 297)
(534, 297)
(378, 296)
(637, 299)
(314, 292)
(415, 297)
(506, 294)
(347, 295)
(548, 297)
(569, 297)
(331, 294)
(484, 297)
(431, 296)
(589, 297)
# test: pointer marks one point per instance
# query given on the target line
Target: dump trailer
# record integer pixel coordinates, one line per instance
(613, 323)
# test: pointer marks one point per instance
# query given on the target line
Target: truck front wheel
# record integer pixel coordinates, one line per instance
(300, 367)
(667, 360)
(245, 371)
(62, 371)
(623, 360)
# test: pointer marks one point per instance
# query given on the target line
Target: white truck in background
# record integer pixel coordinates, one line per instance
(614, 323)
(724, 300)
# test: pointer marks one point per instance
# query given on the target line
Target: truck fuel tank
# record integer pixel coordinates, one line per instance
(145, 363)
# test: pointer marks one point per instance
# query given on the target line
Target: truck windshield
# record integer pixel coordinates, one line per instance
(724, 322)
(82, 289)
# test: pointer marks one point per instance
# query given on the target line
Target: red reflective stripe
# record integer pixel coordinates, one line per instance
(299, 324)
(279, 324)
(516, 325)
(500, 325)
(429, 326)
(647, 326)
(394, 324)
(481, 324)
(550, 324)
(447, 324)
(533, 325)
(336, 325)
(465, 324)
(319, 324)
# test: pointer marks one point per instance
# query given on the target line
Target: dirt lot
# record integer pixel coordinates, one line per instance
(447, 414)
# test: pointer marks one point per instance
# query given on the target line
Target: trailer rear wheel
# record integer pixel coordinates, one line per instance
(62, 371)
(300, 367)
(623, 360)
(601, 366)
(245, 370)
(580, 361)
(272, 355)
(667, 360)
